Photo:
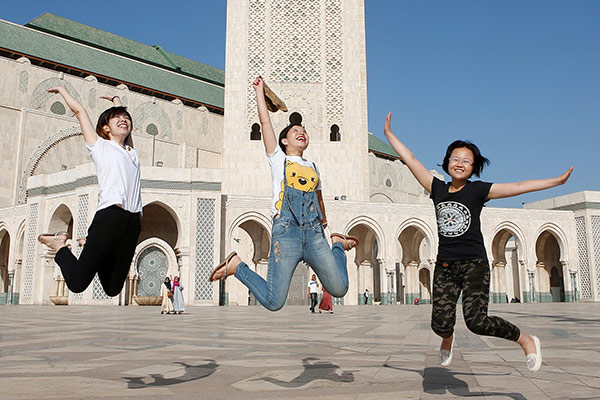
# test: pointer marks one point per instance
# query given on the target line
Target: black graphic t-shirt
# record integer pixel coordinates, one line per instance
(459, 228)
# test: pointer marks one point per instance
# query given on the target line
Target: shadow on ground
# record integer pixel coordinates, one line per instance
(438, 380)
(312, 372)
(192, 373)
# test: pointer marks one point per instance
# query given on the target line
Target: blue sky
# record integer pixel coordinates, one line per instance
(518, 78)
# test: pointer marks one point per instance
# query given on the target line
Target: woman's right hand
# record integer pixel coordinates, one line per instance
(258, 84)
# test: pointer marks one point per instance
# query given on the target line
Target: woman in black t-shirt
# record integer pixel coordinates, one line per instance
(462, 264)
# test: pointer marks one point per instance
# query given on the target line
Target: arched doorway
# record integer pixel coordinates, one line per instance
(252, 241)
(158, 221)
(415, 250)
(367, 261)
(507, 274)
(547, 249)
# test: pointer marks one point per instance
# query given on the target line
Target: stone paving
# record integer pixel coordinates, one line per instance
(360, 352)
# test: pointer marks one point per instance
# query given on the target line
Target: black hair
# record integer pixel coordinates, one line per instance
(478, 163)
(283, 135)
(107, 115)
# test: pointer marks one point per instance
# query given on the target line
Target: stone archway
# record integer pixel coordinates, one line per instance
(368, 261)
(549, 260)
(415, 255)
(51, 278)
(508, 273)
(251, 239)
(159, 221)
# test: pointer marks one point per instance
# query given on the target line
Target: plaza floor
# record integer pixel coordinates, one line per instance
(360, 352)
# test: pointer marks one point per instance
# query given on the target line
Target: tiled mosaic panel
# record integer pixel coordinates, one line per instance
(81, 230)
(147, 113)
(97, 289)
(584, 263)
(31, 245)
(23, 81)
(152, 269)
(257, 31)
(334, 63)
(284, 53)
(295, 41)
(205, 236)
(596, 242)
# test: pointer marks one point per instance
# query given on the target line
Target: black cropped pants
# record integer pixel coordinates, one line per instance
(108, 251)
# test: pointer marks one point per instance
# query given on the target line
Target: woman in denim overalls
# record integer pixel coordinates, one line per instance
(298, 221)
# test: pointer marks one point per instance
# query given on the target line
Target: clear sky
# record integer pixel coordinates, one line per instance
(521, 79)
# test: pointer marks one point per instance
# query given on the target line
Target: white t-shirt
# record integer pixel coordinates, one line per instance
(301, 175)
(118, 175)
(312, 285)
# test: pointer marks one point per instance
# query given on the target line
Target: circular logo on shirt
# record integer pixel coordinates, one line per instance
(453, 218)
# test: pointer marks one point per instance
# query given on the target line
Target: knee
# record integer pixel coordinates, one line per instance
(112, 292)
(338, 290)
(476, 324)
(77, 288)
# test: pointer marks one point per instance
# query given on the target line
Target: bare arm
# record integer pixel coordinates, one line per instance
(89, 133)
(268, 134)
(502, 190)
(418, 170)
(322, 205)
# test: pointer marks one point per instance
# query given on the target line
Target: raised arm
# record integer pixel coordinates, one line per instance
(268, 135)
(89, 133)
(418, 170)
(501, 190)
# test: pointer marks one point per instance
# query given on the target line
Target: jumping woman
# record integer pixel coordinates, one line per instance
(298, 220)
(113, 234)
(462, 264)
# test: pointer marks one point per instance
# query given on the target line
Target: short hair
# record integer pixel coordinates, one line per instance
(106, 116)
(478, 163)
(283, 135)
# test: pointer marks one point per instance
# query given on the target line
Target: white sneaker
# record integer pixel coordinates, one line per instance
(446, 356)
(534, 360)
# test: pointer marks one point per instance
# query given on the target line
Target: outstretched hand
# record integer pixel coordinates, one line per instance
(387, 128)
(564, 177)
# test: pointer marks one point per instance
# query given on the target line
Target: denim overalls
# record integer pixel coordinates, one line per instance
(297, 235)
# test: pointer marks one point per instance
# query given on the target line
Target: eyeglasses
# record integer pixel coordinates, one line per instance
(465, 161)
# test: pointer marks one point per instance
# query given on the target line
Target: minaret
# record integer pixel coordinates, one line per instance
(312, 54)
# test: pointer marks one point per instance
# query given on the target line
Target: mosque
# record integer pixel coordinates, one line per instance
(205, 179)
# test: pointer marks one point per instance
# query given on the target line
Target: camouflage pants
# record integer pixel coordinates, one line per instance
(473, 279)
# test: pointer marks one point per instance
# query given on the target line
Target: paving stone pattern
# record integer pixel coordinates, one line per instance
(360, 352)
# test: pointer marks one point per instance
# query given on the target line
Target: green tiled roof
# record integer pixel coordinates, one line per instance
(377, 145)
(145, 67)
(156, 55)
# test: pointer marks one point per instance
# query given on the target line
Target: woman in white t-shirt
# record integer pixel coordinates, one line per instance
(113, 234)
(298, 220)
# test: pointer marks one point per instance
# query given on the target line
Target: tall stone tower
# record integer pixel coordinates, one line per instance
(312, 54)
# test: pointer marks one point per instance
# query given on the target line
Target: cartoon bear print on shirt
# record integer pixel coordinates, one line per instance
(298, 177)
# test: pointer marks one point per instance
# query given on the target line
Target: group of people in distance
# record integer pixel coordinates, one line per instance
(299, 220)
(171, 293)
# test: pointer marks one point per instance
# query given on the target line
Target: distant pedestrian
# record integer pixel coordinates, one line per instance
(167, 297)
(312, 292)
(326, 303)
(178, 303)
(366, 295)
